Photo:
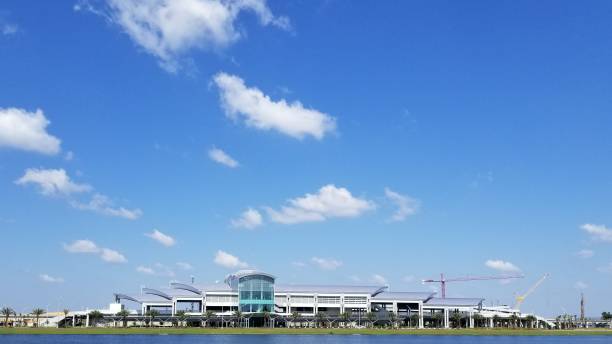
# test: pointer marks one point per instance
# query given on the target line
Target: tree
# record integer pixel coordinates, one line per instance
(606, 316)
(320, 317)
(66, 311)
(152, 314)
(7, 312)
(37, 312)
(414, 319)
(371, 317)
(392, 319)
(295, 316)
(239, 315)
(478, 319)
(182, 317)
(123, 314)
(95, 316)
(267, 317)
(530, 319)
(495, 320)
(345, 316)
(456, 317)
(208, 315)
(438, 319)
(514, 320)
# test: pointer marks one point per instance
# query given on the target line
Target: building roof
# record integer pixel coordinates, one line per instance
(169, 293)
(460, 302)
(404, 296)
(143, 298)
(329, 289)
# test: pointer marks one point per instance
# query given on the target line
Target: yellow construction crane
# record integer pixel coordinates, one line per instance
(521, 298)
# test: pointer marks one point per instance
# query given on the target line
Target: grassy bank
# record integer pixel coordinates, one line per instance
(262, 331)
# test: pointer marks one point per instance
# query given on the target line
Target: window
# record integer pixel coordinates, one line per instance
(355, 300)
(329, 299)
(302, 299)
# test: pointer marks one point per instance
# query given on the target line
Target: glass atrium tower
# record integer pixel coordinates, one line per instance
(255, 290)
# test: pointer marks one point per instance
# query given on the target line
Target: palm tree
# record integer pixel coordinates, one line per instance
(208, 315)
(239, 315)
(182, 316)
(345, 316)
(295, 316)
(267, 317)
(37, 312)
(438, 319)
(456, 317)
(371, 317)
(124, 313)
(320, 317)
(495, 320)
(514, 320)
(65, 311)
(6, 312)
(414, 318)
(152, 314)
(530, 320)
(95, 316)
(478, 319)
(392, 319)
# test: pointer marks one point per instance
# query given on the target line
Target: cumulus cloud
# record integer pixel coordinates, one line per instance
(502, 266)
(249, 219)
(89, 247)
(406, 206)
(50, 279)
(223, 158)
(167, 29)
(101, 204)
(227, 260)
(329, 202)
(52, 182)
(598, 232)
(20, 129)
(8, 29)
(326, 263)
(585, 254)
(378, 279)
(260, 112)
(161, 238)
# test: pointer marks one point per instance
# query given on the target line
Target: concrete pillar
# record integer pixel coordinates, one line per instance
(73, 320)
(491, 325)
(471, 319)
(87, 320)
(446, 320)
(421, 322)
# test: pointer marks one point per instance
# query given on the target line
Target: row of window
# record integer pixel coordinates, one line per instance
(351, 300)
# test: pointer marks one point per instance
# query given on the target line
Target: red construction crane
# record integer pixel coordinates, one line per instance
(444, 280)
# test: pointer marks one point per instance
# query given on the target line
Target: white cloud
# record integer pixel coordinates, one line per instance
(101, 204)
(69, 156)
(605, 269)
(326, 263)
(329, 202)
(52, 182)
(112, 256)
(25, 130)
(378, 279)
(585, 254)
(167, 29)
(227, 260)
(406, 206)
(50, 279)
(161, 238)
(8, 29)
(259, 111)
(158, 270)
(145, 270)
(184, 266)
(90, 247)
(598, 232)
(249, 219)
(502, 266)
(82, 246)
(581, 285)
(221, 157)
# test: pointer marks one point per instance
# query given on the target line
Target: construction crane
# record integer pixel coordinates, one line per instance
(443, 280)
(521, 298)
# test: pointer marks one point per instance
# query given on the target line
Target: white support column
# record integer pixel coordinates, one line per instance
(421, 323)
(471, 319)
(446, 320)
(491, 322)
(87, 320)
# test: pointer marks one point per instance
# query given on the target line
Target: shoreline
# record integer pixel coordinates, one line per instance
(314, 331)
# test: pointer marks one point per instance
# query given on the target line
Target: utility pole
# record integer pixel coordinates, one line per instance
(582, 308)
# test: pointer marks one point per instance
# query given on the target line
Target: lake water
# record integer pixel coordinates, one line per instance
(290, 339)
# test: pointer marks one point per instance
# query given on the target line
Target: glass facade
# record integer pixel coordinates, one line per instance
(256, 293)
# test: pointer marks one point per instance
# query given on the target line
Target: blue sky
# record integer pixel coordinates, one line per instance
(323, 141)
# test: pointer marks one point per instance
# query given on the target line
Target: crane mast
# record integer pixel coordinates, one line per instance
(443, 280)
(521, 298)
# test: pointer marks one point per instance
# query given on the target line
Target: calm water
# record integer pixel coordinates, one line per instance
(290, 339)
